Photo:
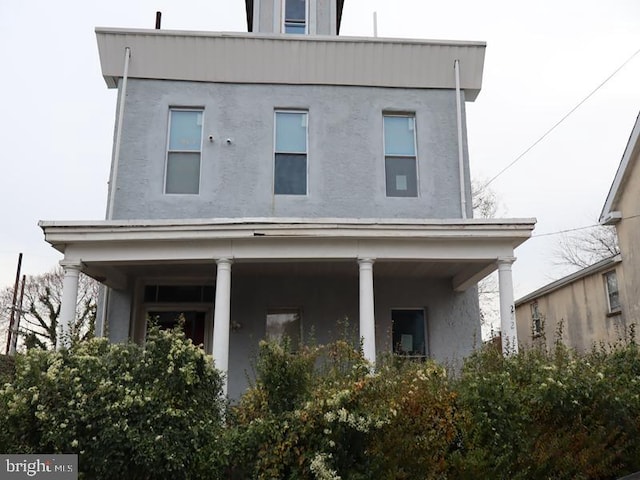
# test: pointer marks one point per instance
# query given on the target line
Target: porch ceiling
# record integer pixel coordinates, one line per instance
(116, 252)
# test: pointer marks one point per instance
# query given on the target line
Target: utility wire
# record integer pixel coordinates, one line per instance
(548, 234)
(562, 119)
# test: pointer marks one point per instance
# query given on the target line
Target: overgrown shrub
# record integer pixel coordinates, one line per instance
(340, 419)
(551, 415)
(324, 413)
(129, 412)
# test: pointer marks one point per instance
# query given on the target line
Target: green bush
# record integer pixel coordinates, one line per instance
(337, 418)
(324, 413)
(129, 412)
(551, 415)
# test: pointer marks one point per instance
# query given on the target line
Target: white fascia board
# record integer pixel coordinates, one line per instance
(56, 233)
(631, 153)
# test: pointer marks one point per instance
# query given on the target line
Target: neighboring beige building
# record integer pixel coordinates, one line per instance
(585, 308)
(601, 302)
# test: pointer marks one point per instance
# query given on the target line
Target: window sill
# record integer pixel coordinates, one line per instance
(615, 313)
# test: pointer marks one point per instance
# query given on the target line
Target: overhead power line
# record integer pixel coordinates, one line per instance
(548, 234)
(519, 157)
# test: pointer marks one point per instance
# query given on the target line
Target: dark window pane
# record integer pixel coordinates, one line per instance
(150, 293)
(183, 173)
(179, 293)
(295, 10)
(408, 332)
(290, 174)
(208, 293)
(401, 177)
(193, 323)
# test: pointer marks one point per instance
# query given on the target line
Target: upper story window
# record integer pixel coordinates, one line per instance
(613, 295)
(295, 16)
(290, 170)
(184, 151)
(400, 155)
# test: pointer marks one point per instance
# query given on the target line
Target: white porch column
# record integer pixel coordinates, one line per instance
(221, 318)
(507, 309)
(68, 303)
(367, 315)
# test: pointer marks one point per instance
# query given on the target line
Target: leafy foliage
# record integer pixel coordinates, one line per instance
(128, 412)
(324, 413)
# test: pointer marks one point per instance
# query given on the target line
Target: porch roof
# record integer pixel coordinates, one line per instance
(464, 250)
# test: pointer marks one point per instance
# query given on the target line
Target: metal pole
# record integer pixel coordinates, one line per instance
(13, 304)
(463, 196)
(16, 328)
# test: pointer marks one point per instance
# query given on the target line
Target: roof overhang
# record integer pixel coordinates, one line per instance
(610, 214)
(291, 60)
(467, 249)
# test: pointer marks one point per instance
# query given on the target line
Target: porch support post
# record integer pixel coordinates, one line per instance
(507, 308)
(367, 315)
(68, 303)
(221, 318)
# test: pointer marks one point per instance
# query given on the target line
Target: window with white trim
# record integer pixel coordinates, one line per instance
(400, 160)
(290, 162)
(184, 148)
(409, 332)
(295, 16)
(613, 295)
(284, 323)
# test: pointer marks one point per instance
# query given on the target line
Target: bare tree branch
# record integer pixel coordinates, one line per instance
(43, 294)
(586, 247)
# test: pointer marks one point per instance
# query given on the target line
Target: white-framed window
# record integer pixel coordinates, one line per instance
(536, 320)
(284, 322)
(408, 328)
(184, 147)
(294, 16)
(290, 156)
(400, 159)
(613, 295)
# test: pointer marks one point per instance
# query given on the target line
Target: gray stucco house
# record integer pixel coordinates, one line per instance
(280, 180)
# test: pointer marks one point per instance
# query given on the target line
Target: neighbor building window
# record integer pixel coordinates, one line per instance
(613, 295)
(295, 16)
(183, 151)
(536, 320)
(284, 323)
(290, 169)
(408, 332)
(400, 155)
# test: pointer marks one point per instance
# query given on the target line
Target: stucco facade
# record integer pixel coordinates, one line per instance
(346, 167)
(360, 210)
